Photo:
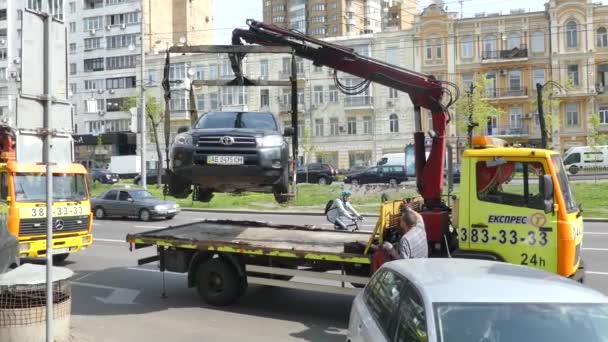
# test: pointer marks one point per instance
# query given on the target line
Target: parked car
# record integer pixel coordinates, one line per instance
(151, 177)
(132, 203)
(317, 173)
(356, 169)
(104, 176)
(475, 300)
(391, 174)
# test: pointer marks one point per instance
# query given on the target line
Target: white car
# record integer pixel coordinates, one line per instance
(462, 300)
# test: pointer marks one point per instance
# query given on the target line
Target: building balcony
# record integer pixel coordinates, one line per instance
(357, 101)
(93, 4)
(498, 93)
(504, 55)
(499, 131)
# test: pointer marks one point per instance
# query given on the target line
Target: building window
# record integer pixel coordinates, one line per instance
(428, 49)
(121, 62)
(278, 19)
(319, 127)
(467, 47)
(116, 105)
(213, 101)
(515, 116)
(318, 19)
(467, 81)
(351, 126)
(92, 44)
(121, 41)
(489, 47)
(264, 98)
(72, 7)
(602, 37)
(72, 68)
(73, 88)
(72, 27)
(392, 93)
(603, 113)
(538, 76)
(513, 41)
(122, 18)
(318, 31)
(93, 23)
(438, 48)
(572, 114)
(367, 125)
(318, 7)
(232, 96)
(179, 101)
(200, 102)
(94, 64)
(177, 71)
(514, 80)
(571, 34)
(151, 76)
(538, 41)
(393, 123)
(120, 82)
(573, 74)
(333, 94)
(334, 127)
(318, 94)
(72, 48)
(264, 68)
(94, 84)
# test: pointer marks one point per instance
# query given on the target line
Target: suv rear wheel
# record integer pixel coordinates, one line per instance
(203, 195)
(177, 187)
(322, 181)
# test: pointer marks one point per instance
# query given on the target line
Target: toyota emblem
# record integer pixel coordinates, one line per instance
(227, 140)
(59, 225)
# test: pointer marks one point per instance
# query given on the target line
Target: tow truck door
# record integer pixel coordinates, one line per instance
(507, 215)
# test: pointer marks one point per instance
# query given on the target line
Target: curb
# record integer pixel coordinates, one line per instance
(313, 213)
(267, 212)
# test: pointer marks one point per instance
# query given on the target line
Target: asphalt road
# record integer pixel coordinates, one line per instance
(115, 300)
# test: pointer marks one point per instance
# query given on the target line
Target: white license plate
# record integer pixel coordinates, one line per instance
(61, 250)
(225, 160)
(171, 210)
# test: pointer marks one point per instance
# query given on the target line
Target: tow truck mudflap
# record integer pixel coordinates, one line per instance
(579, 275)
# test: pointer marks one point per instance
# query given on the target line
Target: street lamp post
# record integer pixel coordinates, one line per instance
(541, 115)
(143, 105)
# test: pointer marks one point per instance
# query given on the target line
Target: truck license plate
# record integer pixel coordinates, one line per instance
(61, 250)
(225, 160)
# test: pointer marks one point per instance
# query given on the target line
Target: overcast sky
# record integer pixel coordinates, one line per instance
(233, 13)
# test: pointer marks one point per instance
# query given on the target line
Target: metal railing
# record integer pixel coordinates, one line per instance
(505, 54)
(494, 93)
(358, 101)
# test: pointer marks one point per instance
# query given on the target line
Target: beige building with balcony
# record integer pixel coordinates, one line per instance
(565, 43)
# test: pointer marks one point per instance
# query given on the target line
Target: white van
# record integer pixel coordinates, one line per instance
(584, 157)
(400, 159)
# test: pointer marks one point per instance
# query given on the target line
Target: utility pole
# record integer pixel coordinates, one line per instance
(541, 116)
(143, 102)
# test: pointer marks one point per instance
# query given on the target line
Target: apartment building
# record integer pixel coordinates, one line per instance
(566, 43)
(335, 128)
(104, 50)
(336, 18)
(4, 58)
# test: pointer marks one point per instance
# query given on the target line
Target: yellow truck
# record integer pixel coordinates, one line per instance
(23, 202)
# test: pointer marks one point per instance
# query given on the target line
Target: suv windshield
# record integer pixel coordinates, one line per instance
(563, 184)
(31, 187)
(238, 120)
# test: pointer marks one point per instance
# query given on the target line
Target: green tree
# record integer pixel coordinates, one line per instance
(155, 116)
(307, 147)
(595, 138)
(473, 109)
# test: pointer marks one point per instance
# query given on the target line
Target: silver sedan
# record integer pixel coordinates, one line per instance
(463, 300)
(137, 203)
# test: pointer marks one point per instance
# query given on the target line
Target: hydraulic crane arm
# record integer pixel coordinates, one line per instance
(424, 91)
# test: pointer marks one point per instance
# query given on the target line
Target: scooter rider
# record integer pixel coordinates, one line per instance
(341, 211)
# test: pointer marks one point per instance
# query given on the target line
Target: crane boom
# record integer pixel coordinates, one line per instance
(424, 91)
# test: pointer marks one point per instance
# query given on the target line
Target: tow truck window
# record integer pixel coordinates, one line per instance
(382, 296)
(31, 187)
(564, 186)
(3, 186)
(512, 183)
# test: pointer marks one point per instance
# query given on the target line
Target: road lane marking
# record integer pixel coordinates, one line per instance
(153, 270)
(108, 240)
(596, 272)
(151, 227)
(596, 249)
(119, 295)
(596, 233)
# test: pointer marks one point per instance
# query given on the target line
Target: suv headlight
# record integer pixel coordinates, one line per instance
(269, 141)
(183, 139)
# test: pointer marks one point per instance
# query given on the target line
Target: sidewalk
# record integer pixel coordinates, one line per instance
(296, 212)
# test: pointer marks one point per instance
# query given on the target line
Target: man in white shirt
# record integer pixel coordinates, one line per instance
(341, 211)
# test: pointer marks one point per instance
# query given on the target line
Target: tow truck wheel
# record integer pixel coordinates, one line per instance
(218, 282)
(59, 258)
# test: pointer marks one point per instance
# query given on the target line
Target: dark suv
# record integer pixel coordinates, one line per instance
(230, 152)
(104, 176)
(391, 174)
(316, 173)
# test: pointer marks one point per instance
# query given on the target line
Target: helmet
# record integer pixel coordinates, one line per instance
(345, 193)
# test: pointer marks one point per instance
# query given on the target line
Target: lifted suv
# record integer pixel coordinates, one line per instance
(230, 152)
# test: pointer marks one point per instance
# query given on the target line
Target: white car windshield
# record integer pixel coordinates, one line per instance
(516, 322)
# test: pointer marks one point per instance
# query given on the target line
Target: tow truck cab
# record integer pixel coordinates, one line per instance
(516, 205)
